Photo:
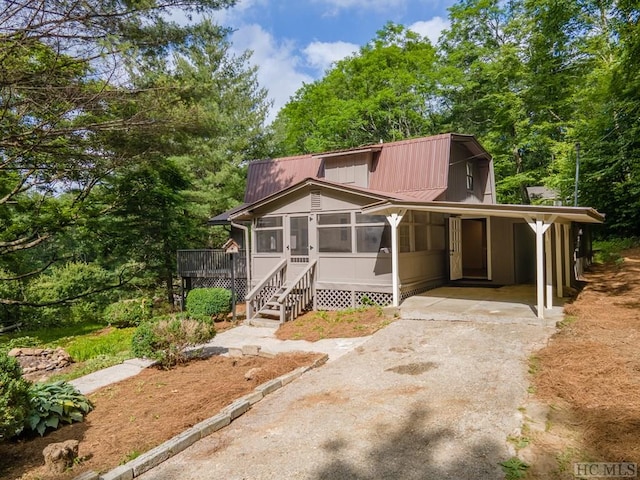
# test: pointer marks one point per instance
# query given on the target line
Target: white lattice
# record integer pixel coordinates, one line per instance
(377, 298)
(333, 299)
(241, 285)
(410, 293)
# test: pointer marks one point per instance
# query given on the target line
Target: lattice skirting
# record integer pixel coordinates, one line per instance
(414, 291)
(241, 285)
(338, 299)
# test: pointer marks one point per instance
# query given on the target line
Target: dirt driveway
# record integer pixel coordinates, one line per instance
(419, 400)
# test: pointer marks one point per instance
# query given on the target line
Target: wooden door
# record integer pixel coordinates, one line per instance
(455, 248)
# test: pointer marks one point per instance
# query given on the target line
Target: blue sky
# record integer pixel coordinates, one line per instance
(294, 42)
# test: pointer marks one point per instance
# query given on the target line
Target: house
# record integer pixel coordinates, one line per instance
(383, 222)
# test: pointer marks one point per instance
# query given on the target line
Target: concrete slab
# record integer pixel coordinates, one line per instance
(512, 304)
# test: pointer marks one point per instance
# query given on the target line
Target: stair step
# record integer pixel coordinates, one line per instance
(263, 322)
(269, 312)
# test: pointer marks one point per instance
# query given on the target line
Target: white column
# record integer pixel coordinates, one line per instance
(567, 255)
(557, 235)
(394, 220)
(539, 227)
(548, 268)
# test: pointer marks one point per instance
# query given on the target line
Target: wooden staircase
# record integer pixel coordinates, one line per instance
(276, 300)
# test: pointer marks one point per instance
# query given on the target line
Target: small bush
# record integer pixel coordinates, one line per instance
(129, 313)
(165, 339)
(215, 302)
(53, 403)
(14, 397)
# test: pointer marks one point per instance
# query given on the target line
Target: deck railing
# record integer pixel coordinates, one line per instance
(210, 263)
(298, 295)
(259, 295)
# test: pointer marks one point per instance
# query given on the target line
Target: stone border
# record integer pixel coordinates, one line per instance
(182, 441)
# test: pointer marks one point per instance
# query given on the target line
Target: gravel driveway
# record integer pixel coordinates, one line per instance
(418, 400)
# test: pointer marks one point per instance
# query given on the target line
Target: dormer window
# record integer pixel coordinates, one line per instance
(469, 176)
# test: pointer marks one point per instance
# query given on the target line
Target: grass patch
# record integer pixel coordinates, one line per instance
(610, 250)
(92, 346)
(51, 335)
(514, 468)
(107, 342)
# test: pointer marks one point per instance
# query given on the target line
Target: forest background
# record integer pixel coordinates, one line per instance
(122, 132)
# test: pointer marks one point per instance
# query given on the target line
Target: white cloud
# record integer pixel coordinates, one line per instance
(321, 55)
(381, 5)
(430, 28)
(277, 63)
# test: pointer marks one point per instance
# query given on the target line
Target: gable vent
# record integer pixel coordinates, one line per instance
(316, 201)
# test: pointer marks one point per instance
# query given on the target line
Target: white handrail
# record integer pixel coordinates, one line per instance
(294, 284)
(266, 279)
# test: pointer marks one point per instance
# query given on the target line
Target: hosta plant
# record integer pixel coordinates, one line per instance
(54, 403)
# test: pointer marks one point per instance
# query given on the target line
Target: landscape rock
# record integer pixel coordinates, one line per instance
(60, 456)
(36, 361)
(253, 373)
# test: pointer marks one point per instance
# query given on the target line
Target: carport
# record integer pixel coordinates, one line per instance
(551, 225)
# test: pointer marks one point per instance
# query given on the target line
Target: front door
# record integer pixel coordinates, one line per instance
(455, 248)
(298, 247)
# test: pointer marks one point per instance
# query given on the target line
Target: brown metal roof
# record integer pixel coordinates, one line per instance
(265, 177)
(416, 168)
(412, 166)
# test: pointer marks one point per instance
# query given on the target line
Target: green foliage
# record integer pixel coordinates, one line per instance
(14, 397)
(214, 302)
(114, 342)
(51, 336)
(165, 339)
(129, 313)
(73, 293)
(387, 91)
(610, 250)
(53, 403)
(514, 468)
(16, 342)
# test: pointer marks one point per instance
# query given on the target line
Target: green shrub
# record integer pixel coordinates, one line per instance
(20, 342)
(53, 403)
(14, 397)
(129, 313)
(215, 302)
(65, 282)
(166, 338)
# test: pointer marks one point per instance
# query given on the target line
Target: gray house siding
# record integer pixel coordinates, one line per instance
(457, 190)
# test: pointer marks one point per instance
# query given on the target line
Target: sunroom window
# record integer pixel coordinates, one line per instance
(334, 232)
(269, 235)
(373, 234)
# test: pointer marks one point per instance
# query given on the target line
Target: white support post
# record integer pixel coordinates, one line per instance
(567, 255)
(548, 269)
(394, 220)
(557, 235)
(539, 227)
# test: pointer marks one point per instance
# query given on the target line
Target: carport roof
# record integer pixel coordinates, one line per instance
(548, 213)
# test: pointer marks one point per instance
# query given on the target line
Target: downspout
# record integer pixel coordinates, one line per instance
(245, 229)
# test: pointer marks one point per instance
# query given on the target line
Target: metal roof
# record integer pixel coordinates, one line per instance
(417, 168)
(266, 177)
(223, 218)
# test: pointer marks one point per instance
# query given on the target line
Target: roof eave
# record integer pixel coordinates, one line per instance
(574, 214)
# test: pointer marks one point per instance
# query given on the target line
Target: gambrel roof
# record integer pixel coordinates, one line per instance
(417, 168)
